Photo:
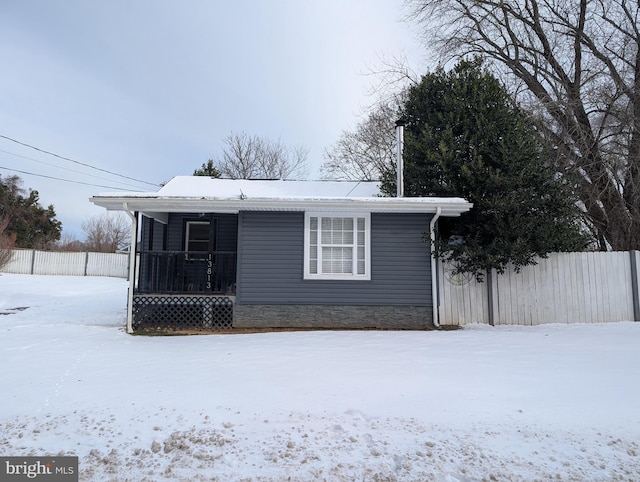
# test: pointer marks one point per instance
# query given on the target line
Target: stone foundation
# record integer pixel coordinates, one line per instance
(332, 317)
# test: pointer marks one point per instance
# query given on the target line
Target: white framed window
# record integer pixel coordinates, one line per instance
(337, 246)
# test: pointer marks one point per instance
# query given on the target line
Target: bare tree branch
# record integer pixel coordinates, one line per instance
(7, 241)
(577, 65)
(367, 152)
(252, 157)
(106, 233)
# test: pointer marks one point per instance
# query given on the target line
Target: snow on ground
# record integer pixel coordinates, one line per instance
(482, 403)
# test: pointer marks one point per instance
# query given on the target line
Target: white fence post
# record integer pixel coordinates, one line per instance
(491, 297)
(635, 283)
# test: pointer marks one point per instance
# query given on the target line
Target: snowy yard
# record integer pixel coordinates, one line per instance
(482, 403)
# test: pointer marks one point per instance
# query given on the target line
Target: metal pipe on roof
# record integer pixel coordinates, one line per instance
(399, 161)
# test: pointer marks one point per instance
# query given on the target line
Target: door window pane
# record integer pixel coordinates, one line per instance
(197, 236)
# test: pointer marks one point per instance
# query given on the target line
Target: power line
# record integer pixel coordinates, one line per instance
(76, 162)
(60, 179)
(65, 168)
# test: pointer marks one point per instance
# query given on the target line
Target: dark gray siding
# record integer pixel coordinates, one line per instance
(270, 255)
(152, 235)
(227, 234)
(145, 230)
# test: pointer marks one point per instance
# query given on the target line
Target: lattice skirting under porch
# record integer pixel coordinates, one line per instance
(182, 313)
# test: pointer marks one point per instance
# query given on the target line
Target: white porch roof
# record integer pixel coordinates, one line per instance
(201, 194)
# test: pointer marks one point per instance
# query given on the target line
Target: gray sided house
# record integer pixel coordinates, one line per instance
(220, 254)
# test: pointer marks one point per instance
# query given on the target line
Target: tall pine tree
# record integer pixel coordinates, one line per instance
(465, 137)
(25, 221)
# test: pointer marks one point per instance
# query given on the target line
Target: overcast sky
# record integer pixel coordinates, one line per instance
(148, 89)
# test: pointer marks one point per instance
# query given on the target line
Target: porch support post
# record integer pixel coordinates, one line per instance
(132, 266)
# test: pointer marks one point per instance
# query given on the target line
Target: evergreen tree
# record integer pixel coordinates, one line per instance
(465, 137)
(27, 222)
(207, 169)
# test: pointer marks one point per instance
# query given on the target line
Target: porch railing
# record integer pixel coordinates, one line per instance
(182, 272)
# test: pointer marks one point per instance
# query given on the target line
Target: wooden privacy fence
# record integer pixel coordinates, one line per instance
(563, 288)
(29, 261)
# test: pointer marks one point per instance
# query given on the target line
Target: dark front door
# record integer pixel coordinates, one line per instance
(199, 245)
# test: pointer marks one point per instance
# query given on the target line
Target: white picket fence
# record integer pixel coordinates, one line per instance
(563, 288)
(29, 261)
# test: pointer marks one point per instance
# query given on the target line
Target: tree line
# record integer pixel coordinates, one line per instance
(533, 115)
(536, 120)
(25, 223)
(575, 67)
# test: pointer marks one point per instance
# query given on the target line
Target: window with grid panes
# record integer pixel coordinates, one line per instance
(337, 247)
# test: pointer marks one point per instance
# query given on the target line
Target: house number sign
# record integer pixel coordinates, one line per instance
(209, 271)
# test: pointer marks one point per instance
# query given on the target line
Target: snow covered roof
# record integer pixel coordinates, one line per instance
(205, 194)
(190, 186)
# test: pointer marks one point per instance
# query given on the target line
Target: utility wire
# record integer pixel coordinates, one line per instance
(76, 162)
(60, 179)
(65, 168)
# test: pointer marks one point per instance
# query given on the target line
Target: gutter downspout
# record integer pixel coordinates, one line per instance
(132, 265)
(434, 274)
